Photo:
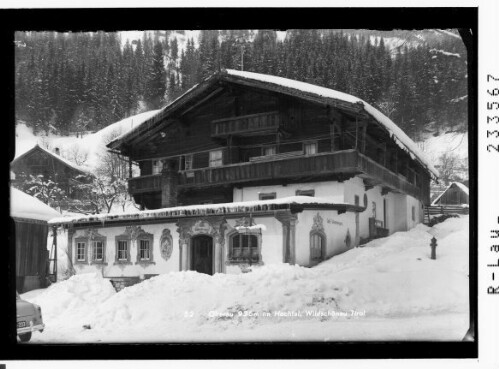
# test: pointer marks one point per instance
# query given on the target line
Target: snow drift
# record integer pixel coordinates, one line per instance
(391, 280)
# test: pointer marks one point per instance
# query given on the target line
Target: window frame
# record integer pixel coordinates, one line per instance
(305, 193)
(188, 159)
(322, 236)
(128, 240)
(273, 196)
(220, 160)
(150, 239)
(84, 241)
(93, 243)
(154, 168)
(273, 148)
(310, 144)
(240, 260)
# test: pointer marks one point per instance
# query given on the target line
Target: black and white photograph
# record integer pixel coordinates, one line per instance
(234, 185)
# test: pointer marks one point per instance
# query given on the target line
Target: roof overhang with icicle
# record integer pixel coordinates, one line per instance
(293, 204)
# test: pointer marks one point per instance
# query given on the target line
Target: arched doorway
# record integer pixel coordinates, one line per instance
(202, 254)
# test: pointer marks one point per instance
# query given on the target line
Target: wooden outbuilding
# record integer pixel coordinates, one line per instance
(30, 217)
(40, 161)
(455, 194)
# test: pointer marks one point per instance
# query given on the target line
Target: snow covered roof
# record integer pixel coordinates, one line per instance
(461, 186)
(28, 207)
(55, 156)
(295, 203)
(295, 88)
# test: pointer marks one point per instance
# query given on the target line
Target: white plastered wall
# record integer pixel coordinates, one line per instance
(335, 228)
(330, 189)
(160, 265)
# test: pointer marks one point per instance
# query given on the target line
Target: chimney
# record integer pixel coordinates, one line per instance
(57, 152)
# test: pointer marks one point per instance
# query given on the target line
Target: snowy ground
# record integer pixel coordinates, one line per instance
(388, 290)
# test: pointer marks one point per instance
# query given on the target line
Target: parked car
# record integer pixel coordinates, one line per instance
(29, 319)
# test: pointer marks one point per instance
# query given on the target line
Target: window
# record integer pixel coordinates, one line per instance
(310, 193)
(144, 250)
(216, 158)
(413, 213)
(269, 150)
(310, 148)
(157, 166)
(122, 254)
(98, 250)
(267, 196)
(244, 248)
(317, 246)
(188, 159)
(81, 251)
(357, 200)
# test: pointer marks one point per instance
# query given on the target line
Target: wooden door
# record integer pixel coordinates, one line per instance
(202, 254)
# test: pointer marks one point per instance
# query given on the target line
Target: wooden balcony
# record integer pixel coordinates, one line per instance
(324, 166)
(149, 183)
(246, 124)
(310, 167)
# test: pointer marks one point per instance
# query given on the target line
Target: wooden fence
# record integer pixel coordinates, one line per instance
(440, 210)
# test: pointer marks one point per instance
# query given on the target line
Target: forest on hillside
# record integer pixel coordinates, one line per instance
(70, 82)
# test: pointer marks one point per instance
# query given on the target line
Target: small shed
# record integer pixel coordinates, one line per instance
(455, 194)
(30, 217)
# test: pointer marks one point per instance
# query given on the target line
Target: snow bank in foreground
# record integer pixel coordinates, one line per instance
(66, 305)
(387, 278)
(391, 280)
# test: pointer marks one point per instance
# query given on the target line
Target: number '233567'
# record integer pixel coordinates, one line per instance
(493, 105)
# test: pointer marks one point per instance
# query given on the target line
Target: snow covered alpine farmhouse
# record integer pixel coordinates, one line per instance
(245, 169)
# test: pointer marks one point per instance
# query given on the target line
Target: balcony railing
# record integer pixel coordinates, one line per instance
(149, 183)
(317, 166)
(306, 166)
(246, 124)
